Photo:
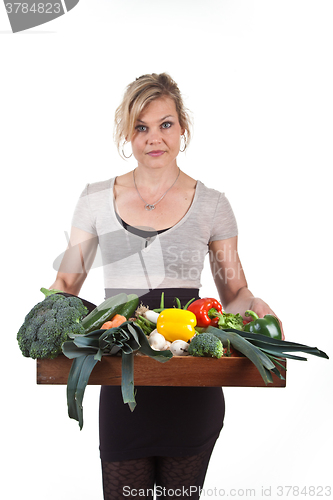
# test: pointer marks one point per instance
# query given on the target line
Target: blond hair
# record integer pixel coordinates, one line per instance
(138, 95)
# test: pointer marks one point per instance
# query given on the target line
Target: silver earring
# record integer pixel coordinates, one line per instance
(185, 145)
(124, 153)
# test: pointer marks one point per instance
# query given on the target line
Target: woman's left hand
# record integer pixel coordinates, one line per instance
(261, 308)
(230, 281)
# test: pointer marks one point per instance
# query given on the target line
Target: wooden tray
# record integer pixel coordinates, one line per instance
(178, 371)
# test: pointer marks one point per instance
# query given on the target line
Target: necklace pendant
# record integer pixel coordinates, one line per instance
(149, 207)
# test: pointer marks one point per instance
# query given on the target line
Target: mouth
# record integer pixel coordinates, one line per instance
(156, 152)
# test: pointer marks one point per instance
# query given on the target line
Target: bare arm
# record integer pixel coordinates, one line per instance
(229, 276)
(230, 280)
(76, 262)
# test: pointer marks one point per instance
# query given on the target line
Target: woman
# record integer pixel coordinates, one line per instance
(155, 226)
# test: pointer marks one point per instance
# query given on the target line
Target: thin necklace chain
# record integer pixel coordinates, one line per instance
(151, 206)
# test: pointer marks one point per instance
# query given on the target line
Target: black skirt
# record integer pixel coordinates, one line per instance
(167, 421)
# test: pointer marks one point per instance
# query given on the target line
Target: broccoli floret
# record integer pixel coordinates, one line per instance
(68, 316)
(47, 325)
(206, 344)
(78, 305)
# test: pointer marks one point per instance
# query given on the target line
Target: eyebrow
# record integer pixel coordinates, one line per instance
(161, 120)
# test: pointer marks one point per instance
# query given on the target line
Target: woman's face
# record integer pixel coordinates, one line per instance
(156, 140)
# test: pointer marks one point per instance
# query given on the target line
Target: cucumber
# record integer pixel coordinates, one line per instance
(130, 307)
(104, 312)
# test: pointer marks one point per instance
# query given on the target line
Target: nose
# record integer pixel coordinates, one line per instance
(154, 136)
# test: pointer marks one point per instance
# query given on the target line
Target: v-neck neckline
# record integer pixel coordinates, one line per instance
(170, 229)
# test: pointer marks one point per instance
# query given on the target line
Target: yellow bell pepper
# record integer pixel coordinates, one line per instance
(176, 324)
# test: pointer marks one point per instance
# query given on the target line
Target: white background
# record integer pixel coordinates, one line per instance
(257, 76)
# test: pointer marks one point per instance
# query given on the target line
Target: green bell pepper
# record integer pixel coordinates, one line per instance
(268, 325)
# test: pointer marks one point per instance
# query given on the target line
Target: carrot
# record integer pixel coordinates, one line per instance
(117, 320)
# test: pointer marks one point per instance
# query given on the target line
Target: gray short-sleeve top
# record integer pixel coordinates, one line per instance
(171, 259)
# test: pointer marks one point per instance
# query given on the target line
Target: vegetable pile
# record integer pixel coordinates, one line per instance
(218, 334)
(119, 326)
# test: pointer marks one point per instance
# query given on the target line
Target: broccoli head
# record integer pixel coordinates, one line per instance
(206, 344)
(47, 325)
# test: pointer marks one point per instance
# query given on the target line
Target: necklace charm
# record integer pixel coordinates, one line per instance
(149, 206)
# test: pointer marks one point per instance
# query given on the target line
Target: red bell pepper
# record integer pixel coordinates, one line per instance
(202, 308)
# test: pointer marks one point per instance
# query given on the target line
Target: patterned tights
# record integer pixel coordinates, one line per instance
(174, 477)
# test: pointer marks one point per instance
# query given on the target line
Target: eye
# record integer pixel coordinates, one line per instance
(166, 124)
(141, 128)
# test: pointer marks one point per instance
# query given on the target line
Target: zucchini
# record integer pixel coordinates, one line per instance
(104, 312)
(130, 307)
